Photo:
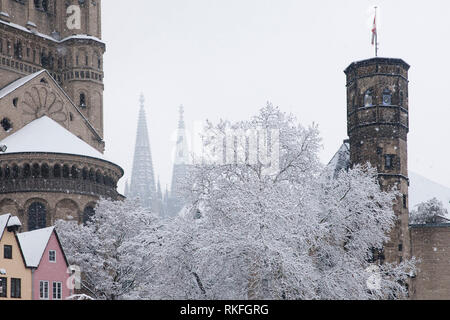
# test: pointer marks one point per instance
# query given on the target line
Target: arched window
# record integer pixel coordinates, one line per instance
(387, 97)
(82, 100)
(92, 175)
(45, 5)
(7, 172)
(26, 171)
(85, 173)
(74, 172)
(45, 171)
(37, 216)
(368, 98)
(88, 213)
(57, 171)
(15, 171)
(36, 171)
(98, 177)
(66, 171)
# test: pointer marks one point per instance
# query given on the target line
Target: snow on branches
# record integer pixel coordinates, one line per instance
(431, 211)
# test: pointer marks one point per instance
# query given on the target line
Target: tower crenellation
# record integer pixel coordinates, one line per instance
(378, 125)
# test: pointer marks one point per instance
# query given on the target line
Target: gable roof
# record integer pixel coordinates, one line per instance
(18, 83)
(33, 245)
(47, 136)
(3, 223)
(341, 160)
(22, 81)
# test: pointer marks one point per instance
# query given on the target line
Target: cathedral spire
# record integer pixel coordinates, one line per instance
(142, 185)
(181, 151)
(180, 167)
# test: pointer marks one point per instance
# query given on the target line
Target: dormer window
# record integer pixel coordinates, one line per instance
(368, 98)
(387, 98)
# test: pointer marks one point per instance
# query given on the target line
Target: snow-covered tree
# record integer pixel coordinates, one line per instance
(428, 212)
(114, 249)
(292, 233)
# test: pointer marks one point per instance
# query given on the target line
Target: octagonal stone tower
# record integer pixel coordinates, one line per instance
(378, 125)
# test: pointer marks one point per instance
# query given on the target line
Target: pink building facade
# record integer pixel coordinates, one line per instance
(44, 255)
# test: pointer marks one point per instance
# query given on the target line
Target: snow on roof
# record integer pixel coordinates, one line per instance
(48, 136)
(18, 83)
(33, 245)
(422, 189)
(340, 160)
(3, 223)
(14, 222)
(79, 36)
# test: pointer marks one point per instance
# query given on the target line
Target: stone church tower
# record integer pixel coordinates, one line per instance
(378, 125)
(51, 102)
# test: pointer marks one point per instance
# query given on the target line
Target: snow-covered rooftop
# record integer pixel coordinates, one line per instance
(3, 223)
(340, 160)
(14, 222)
(33, 245)
(79, 36)
(18, 83)
(48, 136)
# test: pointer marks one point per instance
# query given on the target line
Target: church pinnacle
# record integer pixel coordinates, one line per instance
(180, 168)
(142, 185)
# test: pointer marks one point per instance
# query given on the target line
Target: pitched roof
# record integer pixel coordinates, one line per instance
(22, 81)
(33, 245)
(18, 83)
(14, 222)
(3, 223)
(341, 160)
(47, 136)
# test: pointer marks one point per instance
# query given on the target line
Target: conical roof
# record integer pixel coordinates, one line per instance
(47, 136)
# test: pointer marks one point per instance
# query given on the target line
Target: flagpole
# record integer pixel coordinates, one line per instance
(376, 36)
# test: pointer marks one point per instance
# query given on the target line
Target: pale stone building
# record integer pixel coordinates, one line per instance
(51, 102)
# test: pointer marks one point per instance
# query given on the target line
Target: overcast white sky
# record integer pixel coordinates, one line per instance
(226, 58)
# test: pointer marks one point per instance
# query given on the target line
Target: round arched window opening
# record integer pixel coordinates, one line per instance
(15, 171)
(37, 216)
(45, 171)
(66, 171)
(74, 172)
(36, 171)
(57, 171)
(26, 170)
